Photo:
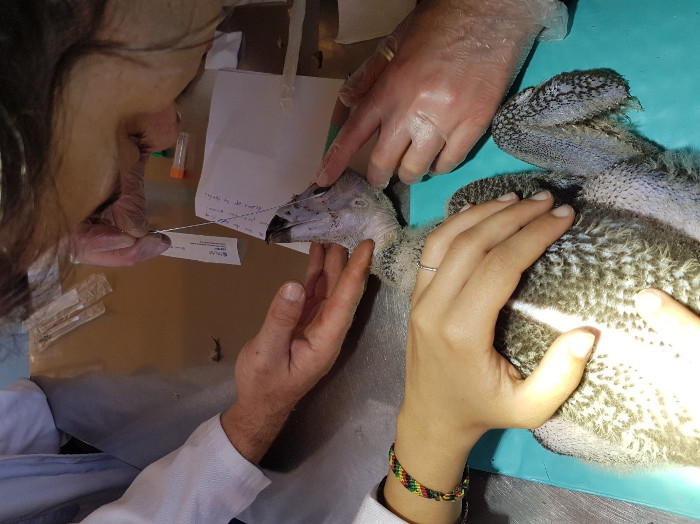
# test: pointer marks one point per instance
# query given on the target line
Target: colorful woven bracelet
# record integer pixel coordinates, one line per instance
(419, 489)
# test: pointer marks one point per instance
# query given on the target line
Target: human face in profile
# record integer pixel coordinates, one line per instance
(115, 106)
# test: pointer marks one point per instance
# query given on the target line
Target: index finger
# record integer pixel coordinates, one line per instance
(500, 270)
(360, 126)
(337, 313)
(140, 249)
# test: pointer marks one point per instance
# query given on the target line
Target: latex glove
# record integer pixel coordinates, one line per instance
(677, 324)
(457, 385)
(452, 62)
(297, 344)
(119, 235)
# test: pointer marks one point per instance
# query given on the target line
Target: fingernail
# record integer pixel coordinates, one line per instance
(466, 206)
(647, 302)
(292, 292)
(383, 185)
(507, 197)
(582, 345)
(165, 241)
(562, 211)
(151, 246)
(542, 195)
(322, 178)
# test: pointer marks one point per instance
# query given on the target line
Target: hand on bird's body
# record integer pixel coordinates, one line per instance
(431, 88)
(457, 385)
(677, 324)
(297, 344)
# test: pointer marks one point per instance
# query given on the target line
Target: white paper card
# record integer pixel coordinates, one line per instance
(224, 51)
(217, 250)
(258, 154)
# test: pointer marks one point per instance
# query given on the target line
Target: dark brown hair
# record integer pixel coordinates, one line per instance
(40, 41)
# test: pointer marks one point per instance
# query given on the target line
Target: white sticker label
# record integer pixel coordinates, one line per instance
(218, 250)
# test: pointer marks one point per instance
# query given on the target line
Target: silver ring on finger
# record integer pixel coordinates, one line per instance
(427, 268)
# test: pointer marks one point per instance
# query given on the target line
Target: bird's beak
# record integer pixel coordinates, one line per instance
(278, 231)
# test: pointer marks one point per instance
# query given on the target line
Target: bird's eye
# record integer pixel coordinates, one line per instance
(358, 202)
(320, 190)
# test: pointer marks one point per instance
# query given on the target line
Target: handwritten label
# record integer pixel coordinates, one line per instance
(258, 154)
(218, 250)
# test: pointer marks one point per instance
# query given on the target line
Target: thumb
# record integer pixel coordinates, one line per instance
(140, 249)
(556, 377)
(282, 318)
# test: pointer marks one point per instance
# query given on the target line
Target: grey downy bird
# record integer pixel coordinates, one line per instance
(637, 226)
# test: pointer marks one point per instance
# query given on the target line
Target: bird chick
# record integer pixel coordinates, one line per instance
(637, 226)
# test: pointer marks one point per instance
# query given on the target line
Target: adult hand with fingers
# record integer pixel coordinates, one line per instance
(433, 85)
(118, 236)
(297, 344)
(457, 385)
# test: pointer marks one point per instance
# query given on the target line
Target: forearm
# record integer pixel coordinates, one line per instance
(204, 477)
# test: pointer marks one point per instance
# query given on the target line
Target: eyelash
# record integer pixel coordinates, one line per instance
(140, 140)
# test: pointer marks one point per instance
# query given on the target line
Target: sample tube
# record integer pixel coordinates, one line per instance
(178, 169)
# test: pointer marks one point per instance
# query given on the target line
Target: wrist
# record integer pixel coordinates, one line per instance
(434, 456)
(437, 436)
(252, 430)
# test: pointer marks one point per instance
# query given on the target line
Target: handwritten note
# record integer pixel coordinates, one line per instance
(258, 154)
(218, 250)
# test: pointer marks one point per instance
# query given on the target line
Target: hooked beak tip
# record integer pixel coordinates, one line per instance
(277, 230)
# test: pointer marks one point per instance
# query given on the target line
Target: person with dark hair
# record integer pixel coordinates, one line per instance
(88, 90)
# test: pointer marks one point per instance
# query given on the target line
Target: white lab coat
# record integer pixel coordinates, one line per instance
(205, 480)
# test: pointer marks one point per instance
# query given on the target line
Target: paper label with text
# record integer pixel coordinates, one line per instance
(218, 250)
(259, 154)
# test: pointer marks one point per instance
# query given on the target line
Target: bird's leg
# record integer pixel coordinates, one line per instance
(573, 123)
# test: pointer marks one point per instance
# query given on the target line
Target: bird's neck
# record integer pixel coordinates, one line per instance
(382, 230)
(395, 262)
